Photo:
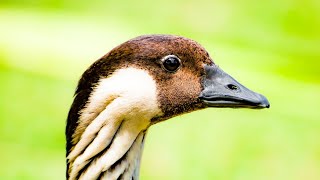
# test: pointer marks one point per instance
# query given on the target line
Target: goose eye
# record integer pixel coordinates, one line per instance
(171, 63)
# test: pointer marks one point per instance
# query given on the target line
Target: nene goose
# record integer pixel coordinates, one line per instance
(141, 82)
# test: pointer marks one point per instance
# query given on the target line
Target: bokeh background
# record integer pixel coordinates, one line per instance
(271, 46)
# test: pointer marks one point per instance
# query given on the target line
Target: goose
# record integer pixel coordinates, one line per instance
(141, 82)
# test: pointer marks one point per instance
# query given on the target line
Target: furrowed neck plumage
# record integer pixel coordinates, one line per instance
(108, 140)
(141, 82)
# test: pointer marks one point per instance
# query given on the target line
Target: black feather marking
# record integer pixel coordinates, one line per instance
(99, 154)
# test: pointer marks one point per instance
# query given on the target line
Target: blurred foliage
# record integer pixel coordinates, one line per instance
(270, 46)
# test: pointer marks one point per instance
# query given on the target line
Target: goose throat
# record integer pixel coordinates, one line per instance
(108, 140)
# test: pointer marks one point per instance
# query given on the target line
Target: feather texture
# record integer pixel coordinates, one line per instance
(113, 124)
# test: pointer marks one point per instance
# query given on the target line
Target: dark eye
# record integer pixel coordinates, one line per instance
(171, 63)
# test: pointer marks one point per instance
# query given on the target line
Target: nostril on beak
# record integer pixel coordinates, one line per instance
(232, 87)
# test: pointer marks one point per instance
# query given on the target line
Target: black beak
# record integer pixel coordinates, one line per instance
(221, 90)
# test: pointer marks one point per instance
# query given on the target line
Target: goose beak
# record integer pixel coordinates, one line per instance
(221, 90)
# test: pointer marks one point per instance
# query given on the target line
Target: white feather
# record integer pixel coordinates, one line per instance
(129, 161)
(122, 142)
(134, 157)
(128, 97)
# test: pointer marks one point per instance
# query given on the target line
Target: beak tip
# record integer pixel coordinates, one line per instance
(265, 106)
(264, 102)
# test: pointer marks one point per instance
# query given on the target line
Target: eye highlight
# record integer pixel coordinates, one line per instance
(171, 63)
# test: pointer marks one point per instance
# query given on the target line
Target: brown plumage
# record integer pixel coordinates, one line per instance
(187, 89)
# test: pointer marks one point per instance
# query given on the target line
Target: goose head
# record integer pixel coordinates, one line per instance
(141, 82)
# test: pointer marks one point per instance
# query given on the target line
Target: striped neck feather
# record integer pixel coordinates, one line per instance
(108, 140)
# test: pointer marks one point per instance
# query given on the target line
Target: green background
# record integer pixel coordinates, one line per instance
(271, 46)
